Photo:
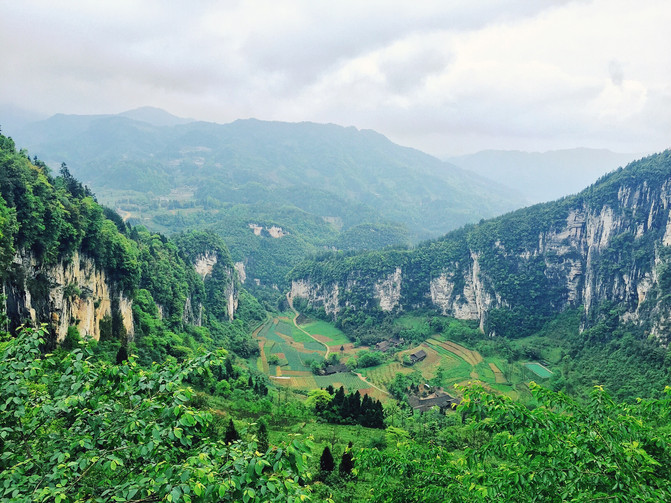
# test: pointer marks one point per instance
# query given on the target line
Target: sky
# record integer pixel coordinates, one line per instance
(446, 77)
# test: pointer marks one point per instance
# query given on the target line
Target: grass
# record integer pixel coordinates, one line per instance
(350, 381)
(539, 370)
(326, 329)
(410, 321)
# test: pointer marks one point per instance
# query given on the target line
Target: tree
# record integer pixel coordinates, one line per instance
(231, 433)
(262, 435)
(122, 355)
(326, 463)
(75, 429)
(346, 462)
(562, 450)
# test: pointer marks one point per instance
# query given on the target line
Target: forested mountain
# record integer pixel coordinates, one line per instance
(75, 265)
(78, 423)
(605, 251)
(325, 186)
(544, 176)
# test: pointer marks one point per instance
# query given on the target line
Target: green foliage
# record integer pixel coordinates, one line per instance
(369, 358)
(560, 451)
(326, 463)
(74, 429)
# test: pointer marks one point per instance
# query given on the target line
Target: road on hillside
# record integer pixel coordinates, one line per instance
(290, 300)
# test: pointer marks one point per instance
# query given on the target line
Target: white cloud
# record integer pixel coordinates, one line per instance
(444, 77)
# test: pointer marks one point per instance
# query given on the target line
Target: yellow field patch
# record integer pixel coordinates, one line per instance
(297, 373)
(472, 357)
(322, 338)
(265, 368)
(498, 375)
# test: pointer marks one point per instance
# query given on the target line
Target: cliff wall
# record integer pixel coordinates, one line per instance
(73, 292)
(605, 246)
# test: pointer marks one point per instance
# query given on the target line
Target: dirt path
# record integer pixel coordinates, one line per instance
(291, 305)
(363, 378)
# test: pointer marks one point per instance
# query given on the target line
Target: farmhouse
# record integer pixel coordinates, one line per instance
(436, 399)
(417, 356)
(334, 369)
(389, 343)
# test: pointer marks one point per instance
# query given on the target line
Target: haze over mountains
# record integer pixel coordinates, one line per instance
(544, 176)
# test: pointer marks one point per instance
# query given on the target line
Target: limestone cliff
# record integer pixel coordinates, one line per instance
(606, 245)
(220, 279)
(72, 292)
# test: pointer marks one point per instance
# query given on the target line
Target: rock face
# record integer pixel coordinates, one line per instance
(205, 263)
(388, 291)
(205, 266)
(590, 249)
(71, 293)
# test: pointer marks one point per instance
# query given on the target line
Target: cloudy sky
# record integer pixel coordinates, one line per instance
(447, 77)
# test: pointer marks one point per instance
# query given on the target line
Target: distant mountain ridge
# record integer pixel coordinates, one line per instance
(544, 176)
(129, 151)
(606, 249)
(314, 181)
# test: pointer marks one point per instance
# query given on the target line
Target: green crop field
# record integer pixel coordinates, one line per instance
(383, 374)
(350, 381)
(313, 345)
(300, 336)
(539, 370)
(326, 329)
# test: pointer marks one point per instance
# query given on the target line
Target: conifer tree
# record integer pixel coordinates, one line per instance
(326, 462)
(122, 355)
(230, 372)
(231, 433)
(346, 462)
(262, 435)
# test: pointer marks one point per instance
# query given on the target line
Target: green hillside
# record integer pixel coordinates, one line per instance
(319, 183)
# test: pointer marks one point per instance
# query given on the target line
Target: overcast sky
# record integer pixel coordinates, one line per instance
(447, 77)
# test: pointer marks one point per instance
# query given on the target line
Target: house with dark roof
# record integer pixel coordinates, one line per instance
(389, 344)
(417, 356)
(436, 399)
(334, 369)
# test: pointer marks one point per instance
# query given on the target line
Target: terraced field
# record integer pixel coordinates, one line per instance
(295, 350)
(472, 357)
(498, 375)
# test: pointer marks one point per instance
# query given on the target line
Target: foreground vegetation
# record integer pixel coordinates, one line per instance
(75, 428)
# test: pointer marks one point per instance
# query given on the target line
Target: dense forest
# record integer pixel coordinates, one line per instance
(178, 410)
(603, 253)
(325, 186)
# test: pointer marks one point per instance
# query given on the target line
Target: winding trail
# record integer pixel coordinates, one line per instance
(360, 376)
(290, 300)
(364, 379)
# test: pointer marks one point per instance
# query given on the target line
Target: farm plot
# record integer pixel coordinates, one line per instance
(326, 333)
(293, 356)
(382, 375)
(472, 357)
(498, 375)
(350, 381)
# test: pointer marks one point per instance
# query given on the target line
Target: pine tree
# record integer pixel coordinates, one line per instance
(122, 355)
(326, 462)
(230, 372)
(262, 435)
(231, 433)
(346, 462)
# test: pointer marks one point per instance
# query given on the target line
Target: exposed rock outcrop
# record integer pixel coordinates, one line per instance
(71, 293)
(590, 250)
